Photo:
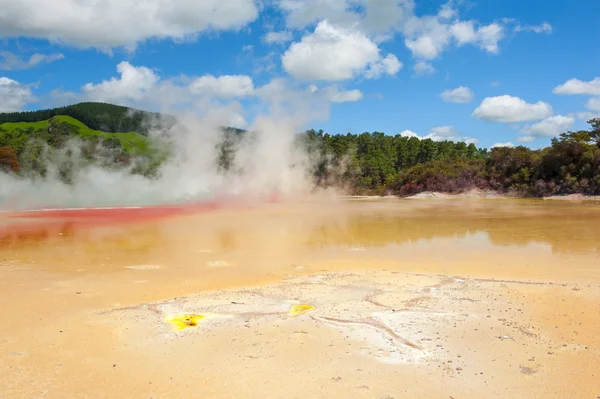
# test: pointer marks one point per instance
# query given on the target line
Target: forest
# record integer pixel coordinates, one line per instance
(98, 116)
(368, 163)
(374, 163)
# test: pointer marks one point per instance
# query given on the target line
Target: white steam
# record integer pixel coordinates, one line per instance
(266, 161)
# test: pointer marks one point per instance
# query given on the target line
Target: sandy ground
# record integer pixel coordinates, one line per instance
(370, 300)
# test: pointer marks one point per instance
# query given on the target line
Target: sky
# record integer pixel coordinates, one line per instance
(492, 72)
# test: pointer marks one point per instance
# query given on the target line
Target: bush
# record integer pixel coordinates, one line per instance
(8, 159)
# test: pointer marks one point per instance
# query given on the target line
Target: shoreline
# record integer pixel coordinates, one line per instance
(476, 194)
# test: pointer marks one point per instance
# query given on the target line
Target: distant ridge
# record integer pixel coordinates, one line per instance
(95, 115)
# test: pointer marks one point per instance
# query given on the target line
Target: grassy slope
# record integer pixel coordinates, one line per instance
(17, 134)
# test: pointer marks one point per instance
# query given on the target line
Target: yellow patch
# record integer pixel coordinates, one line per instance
(185, 321)
(296, 310)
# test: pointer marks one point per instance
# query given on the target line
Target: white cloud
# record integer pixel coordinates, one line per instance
(430, 38)
(422, 68)
(225, 86)
(427, 36)
(409, 133)
(549, 127)
(464, 32)
(387, 66)
(14, 95)
(333, 53)
(444, 131)
(489, 36)
(461, 94)
(132, 85)
(507, 144)
(12, 61)
(543, 28)
(593, 104)
(278, 37)
(441, 133)
(509, 109)
(576, 86)
(345, 96)
(139, 86)
(495, 83)
(115, 23)
(486, 36)
(335, 95)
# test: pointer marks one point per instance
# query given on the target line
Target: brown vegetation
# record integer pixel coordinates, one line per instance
(8, 159)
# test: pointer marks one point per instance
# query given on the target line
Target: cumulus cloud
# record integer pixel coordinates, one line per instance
(334, 53)
(409, 133)
(389, 65)
(423, 68)
(488, 37)
(278, 37)
(115, 23)
(549, 127)
(133, 83)
(441, 133)
(464, 32)
(576, 86)
(226, 86)
(141, 87)
(461, 94)
(10, 61)
(507, 144)
(14, 95)
(509, 109)
(426, 36)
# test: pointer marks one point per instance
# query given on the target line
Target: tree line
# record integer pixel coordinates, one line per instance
(373, 163)
(368, 163)
(98, 116)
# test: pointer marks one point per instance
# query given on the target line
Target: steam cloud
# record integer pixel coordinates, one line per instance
(266, 161)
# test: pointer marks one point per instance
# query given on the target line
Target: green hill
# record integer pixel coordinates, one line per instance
(99, 116)
(35, 144)
(57, 130)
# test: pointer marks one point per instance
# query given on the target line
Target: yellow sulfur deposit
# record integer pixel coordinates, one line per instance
(185, 321)
(296, 310)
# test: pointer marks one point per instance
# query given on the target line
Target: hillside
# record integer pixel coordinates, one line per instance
(34, 144)
(99, 116)
(58, 129)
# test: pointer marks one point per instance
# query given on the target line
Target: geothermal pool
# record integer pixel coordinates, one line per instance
(383, 298)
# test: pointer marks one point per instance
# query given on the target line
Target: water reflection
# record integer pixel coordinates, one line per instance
(566, 228)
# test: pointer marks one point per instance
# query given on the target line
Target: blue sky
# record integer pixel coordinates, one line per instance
(517, 72)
